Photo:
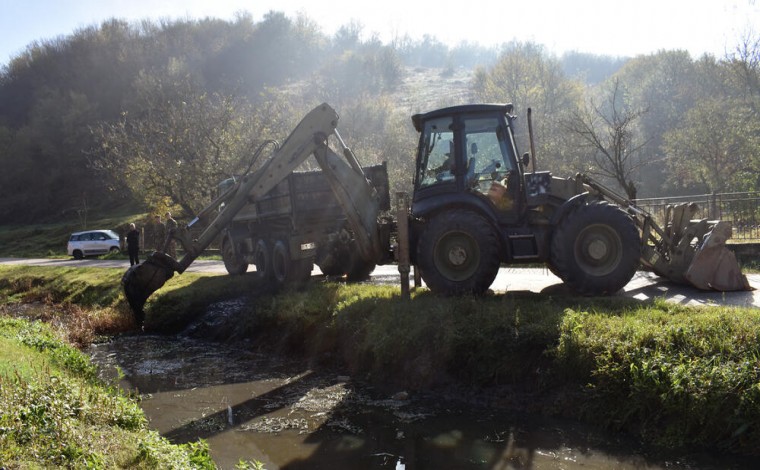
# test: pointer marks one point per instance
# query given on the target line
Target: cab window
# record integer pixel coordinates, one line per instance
(487, 153)
(437, 150)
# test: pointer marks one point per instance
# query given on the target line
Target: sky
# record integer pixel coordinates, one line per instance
(623, 28)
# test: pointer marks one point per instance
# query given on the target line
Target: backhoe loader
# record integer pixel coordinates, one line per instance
(474, 207)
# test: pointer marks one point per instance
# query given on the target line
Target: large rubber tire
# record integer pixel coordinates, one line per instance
(78, 254)
(359, 270)
(458, 253)
(345, 260)
(263, 260)
(596, 249)
(287, 271)
(332, 261)
(332, 269)
(233, 262)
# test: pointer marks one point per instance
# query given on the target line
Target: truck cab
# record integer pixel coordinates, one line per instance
(467, 157)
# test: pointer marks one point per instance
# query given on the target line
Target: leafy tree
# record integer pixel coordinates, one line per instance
(526, 76)
(666, 84)
(379, 132)
(715, 147)
(179, 146)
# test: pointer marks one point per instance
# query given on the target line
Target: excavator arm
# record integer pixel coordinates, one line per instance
(310, 137)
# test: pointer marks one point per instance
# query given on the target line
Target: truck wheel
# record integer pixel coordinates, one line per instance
(458, 253)
(359, 270)
(286, 270)
(596, 249)
(330, 263)
(263, 261)
(233, 263)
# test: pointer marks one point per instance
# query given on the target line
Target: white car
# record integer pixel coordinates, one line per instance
(93, 242)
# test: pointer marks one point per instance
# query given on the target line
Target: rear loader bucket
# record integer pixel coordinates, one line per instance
(714, 266)
(142, 280)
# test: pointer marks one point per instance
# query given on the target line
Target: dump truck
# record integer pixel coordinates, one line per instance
(297, 224)
(474, 207)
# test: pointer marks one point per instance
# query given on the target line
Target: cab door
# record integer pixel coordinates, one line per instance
(491, 165)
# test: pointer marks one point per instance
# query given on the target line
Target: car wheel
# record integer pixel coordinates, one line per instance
(78, 254)
(114, 250)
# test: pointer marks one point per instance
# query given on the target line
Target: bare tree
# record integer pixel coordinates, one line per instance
(609, 131)
(744, 63)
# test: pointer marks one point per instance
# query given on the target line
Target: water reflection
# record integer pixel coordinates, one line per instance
(253, 404)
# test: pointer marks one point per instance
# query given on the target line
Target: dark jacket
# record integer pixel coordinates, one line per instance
(133, 238)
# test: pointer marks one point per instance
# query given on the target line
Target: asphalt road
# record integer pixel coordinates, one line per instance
(643, 286)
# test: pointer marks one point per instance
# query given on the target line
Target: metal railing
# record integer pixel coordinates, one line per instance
(741, 209)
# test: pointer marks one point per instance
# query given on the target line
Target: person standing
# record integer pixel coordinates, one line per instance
(171, 227)
(133, 245)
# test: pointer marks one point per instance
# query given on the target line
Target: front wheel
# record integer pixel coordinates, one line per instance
(233, 262)
(458, 253)
(596, 249)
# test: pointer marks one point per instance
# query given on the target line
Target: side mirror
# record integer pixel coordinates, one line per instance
(526, 159)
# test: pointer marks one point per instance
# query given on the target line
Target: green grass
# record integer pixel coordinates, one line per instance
(85, 287)
(677, 376)
(49, 240)
(57, 414)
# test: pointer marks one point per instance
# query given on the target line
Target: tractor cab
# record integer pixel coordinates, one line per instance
(467, 157)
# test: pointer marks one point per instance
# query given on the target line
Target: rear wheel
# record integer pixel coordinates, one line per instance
(233, 262)
(286, 270)
(331, 258)
(263, 261)
(458, 253)
(359, 270)
(78, 254)
(344, 259)
(596, 249)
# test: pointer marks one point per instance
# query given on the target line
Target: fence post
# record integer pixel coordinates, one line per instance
(402, 218)
(714, 213)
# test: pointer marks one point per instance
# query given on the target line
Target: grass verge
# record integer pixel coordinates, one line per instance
(57, 414)
(677, 376)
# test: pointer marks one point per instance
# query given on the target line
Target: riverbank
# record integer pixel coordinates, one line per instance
(677, 377)
(57, 413)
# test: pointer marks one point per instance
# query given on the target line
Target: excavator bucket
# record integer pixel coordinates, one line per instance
(141, 280)
(714, 267)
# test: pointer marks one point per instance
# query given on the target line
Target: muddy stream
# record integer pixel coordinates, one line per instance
(252, 404)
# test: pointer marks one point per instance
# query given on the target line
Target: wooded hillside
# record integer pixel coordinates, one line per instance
(155, 114)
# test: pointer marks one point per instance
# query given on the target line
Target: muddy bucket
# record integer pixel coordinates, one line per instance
(714, 267)
(142, 280)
